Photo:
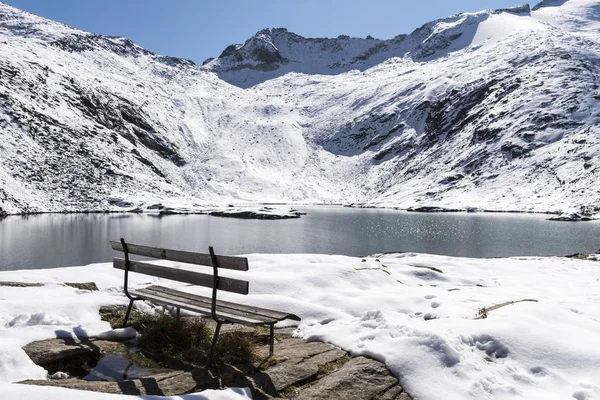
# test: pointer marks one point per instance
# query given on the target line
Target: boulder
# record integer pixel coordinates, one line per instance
(360, 378)
(45, 352)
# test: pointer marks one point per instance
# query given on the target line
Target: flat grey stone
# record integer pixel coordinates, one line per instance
(395, 393)
(298, 362)
(359, 379)
(182, 383)
(20, 284)
(169, 384)
(391, 394)
(293, 372)
(48, 351)
(292, 348)
(82, 285)
(286, 375)
(232, 376)
(74, 383)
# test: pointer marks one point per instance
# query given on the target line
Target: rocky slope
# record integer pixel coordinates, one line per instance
(492, 110)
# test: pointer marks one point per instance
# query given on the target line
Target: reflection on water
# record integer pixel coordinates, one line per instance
(52, 240)
(114, 367)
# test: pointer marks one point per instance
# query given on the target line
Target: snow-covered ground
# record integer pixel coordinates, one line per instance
(420, 314)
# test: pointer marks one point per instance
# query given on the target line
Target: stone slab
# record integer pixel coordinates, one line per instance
(169, 384)
(52, 350)
(297, 363)
(82, 285)
(395, 393)
(359, 379)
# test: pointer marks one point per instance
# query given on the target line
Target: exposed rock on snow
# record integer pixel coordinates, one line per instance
(20, 284)
(570, 217)
(430, 209)
(262, 213)
(495, 110)
(160, 209)
(82, 285)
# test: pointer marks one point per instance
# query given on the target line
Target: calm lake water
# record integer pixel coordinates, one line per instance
(54, 240)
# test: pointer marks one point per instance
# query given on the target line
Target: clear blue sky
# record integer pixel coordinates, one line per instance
(198, 29)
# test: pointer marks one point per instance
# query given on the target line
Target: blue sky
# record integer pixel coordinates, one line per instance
(198, 29)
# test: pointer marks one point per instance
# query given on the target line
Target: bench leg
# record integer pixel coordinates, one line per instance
(127, 313)
(213, 345)
(271, 340)
(178, 311)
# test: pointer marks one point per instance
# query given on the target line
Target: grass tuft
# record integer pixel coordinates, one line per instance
(166, 337)
(174, 341)
(235, 348)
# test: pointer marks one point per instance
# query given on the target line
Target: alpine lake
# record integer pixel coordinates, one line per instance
(58, 240)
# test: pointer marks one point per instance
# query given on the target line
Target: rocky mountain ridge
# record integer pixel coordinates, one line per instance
(494, 110)
(275, 52)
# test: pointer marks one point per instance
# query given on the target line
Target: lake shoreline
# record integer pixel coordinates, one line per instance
(247, 211)
(420, 209)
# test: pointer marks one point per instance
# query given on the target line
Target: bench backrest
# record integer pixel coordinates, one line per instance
(188, 257)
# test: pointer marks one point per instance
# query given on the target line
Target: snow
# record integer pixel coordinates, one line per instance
(422, 315)
(503, 26)
(495, 110)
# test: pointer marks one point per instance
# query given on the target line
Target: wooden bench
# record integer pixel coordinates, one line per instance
(222, 312)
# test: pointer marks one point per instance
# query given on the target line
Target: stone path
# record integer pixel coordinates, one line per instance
(298, 371)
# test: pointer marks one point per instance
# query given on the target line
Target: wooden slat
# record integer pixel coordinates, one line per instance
(257, 312)
(194, 278)
(196, 307)
(203, 306)
(190, 257)
(205, 302)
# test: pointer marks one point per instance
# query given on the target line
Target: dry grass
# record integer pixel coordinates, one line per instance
(170, 340)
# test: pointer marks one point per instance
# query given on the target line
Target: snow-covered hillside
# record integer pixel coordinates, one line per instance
(492, 110)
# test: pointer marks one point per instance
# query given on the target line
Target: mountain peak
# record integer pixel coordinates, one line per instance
(274, 52)
(548, 3)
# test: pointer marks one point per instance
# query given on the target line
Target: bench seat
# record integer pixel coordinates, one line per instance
(239, 313)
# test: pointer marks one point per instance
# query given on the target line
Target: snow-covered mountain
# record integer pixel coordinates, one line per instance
(272, 53)
(492, 110)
